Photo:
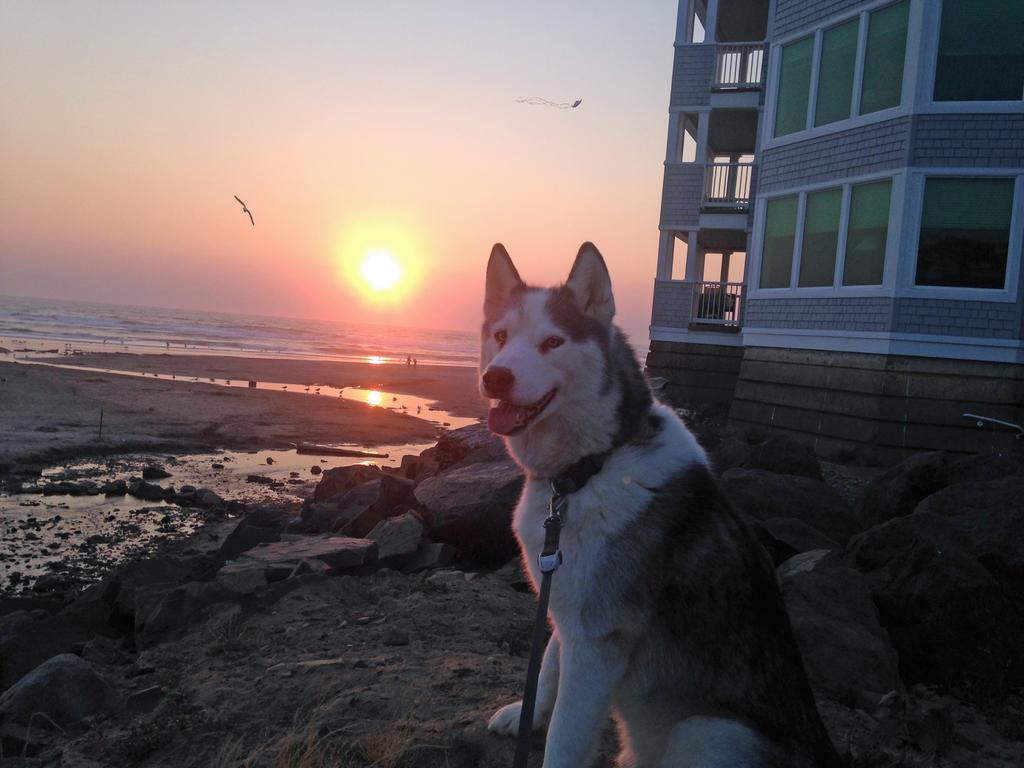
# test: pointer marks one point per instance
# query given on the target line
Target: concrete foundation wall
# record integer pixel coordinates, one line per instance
(877, 407)
(698, 374)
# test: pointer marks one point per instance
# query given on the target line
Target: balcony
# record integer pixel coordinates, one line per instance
(727, 186)
(739, 67)
(717, 303)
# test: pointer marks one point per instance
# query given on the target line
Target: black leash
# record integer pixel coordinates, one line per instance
(570, 481)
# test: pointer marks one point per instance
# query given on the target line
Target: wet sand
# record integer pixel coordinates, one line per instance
(51, 414)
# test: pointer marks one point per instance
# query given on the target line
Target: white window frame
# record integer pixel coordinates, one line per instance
(931, 28)
(837, 289)
(1011, 285)
(855, 120)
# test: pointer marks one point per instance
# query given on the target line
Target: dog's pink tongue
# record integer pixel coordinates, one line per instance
(505, 417)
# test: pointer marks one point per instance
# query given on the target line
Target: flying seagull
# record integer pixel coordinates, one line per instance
(537, 101)
(245, 210)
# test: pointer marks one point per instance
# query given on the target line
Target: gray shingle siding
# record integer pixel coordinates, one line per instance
(969, 141)
(821, 314)
(682, 194)
(994, 320)
(673, 303)
(794, 15)
(692, 71)
(867, 149)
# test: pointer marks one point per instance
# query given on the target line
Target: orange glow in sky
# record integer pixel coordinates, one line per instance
(379, 146)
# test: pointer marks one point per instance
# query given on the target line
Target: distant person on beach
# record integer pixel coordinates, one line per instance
(408, 359)
(415, 361)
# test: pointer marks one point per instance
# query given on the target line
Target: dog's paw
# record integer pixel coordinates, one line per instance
(505, 722)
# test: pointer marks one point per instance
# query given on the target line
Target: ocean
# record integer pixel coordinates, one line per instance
(117, 327)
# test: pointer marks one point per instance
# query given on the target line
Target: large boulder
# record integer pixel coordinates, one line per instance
(65, 688)
(278, 560)
(846, 652)
(897, 491)
(472, 444)
(470, 507)
(798, 535)
(262, 525)
(334, 483)
(357, 511)
(398, 539)
(784, 455)
(765, 495)
(163, 612)
(947, 581)
(28, 639)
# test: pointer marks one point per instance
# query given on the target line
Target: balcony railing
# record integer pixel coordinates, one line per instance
(739, 66)
(727, 185)
(717, 303)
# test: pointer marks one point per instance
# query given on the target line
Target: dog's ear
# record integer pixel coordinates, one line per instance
(591, 285)
(502, 280)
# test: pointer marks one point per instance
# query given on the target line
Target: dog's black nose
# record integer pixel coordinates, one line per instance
(498, 382)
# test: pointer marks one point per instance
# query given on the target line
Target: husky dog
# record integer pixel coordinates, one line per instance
(666, 612)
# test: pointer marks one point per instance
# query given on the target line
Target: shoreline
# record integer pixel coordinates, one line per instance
(52, 414)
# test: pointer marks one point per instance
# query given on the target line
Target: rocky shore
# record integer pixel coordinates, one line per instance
(382, 619)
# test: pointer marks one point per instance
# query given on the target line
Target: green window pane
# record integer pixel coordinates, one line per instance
(981, 51)
(794, 87)
(835, 79)
(883, 58)
(868, 230)
(779, 238)
(965, 232)
(821, 236)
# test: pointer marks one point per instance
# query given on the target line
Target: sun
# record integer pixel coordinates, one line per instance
(380, 270)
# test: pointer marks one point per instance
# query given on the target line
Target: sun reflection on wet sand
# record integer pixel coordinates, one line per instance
(373, 397)
(375, 360)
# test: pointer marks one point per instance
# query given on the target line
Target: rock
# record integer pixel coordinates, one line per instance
(216, 465)
(315, 469)
(66, 688)
(845, 649)
(471, 508)
(243, 577)
(310, 567)
(467, 445)
(946, 580)
(395, 637)
(154, 472)
(729, 453)
(209, 499)
(27, 641)
(163, 612)
(341, 553)
(398, 539)
(114, 488)
(765, 495)
(259, 479)
(270, 459)
(49, 582)
(262, 525)
(140, 489)
(361, 508)
(899, 490)
(798, 535)
(784, 455)
(62, 488)
(417, 468)
(334, 483)
(431, 555)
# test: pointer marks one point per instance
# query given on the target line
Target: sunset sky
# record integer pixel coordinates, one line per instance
(347, 127)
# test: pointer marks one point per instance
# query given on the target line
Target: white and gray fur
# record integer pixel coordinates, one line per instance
(666, 613)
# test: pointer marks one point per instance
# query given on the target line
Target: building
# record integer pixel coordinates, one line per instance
(842, 220)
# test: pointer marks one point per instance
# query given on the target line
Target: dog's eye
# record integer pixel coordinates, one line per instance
(551, 342)
(501, 337)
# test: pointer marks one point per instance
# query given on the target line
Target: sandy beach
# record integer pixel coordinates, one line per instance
(52, 414)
